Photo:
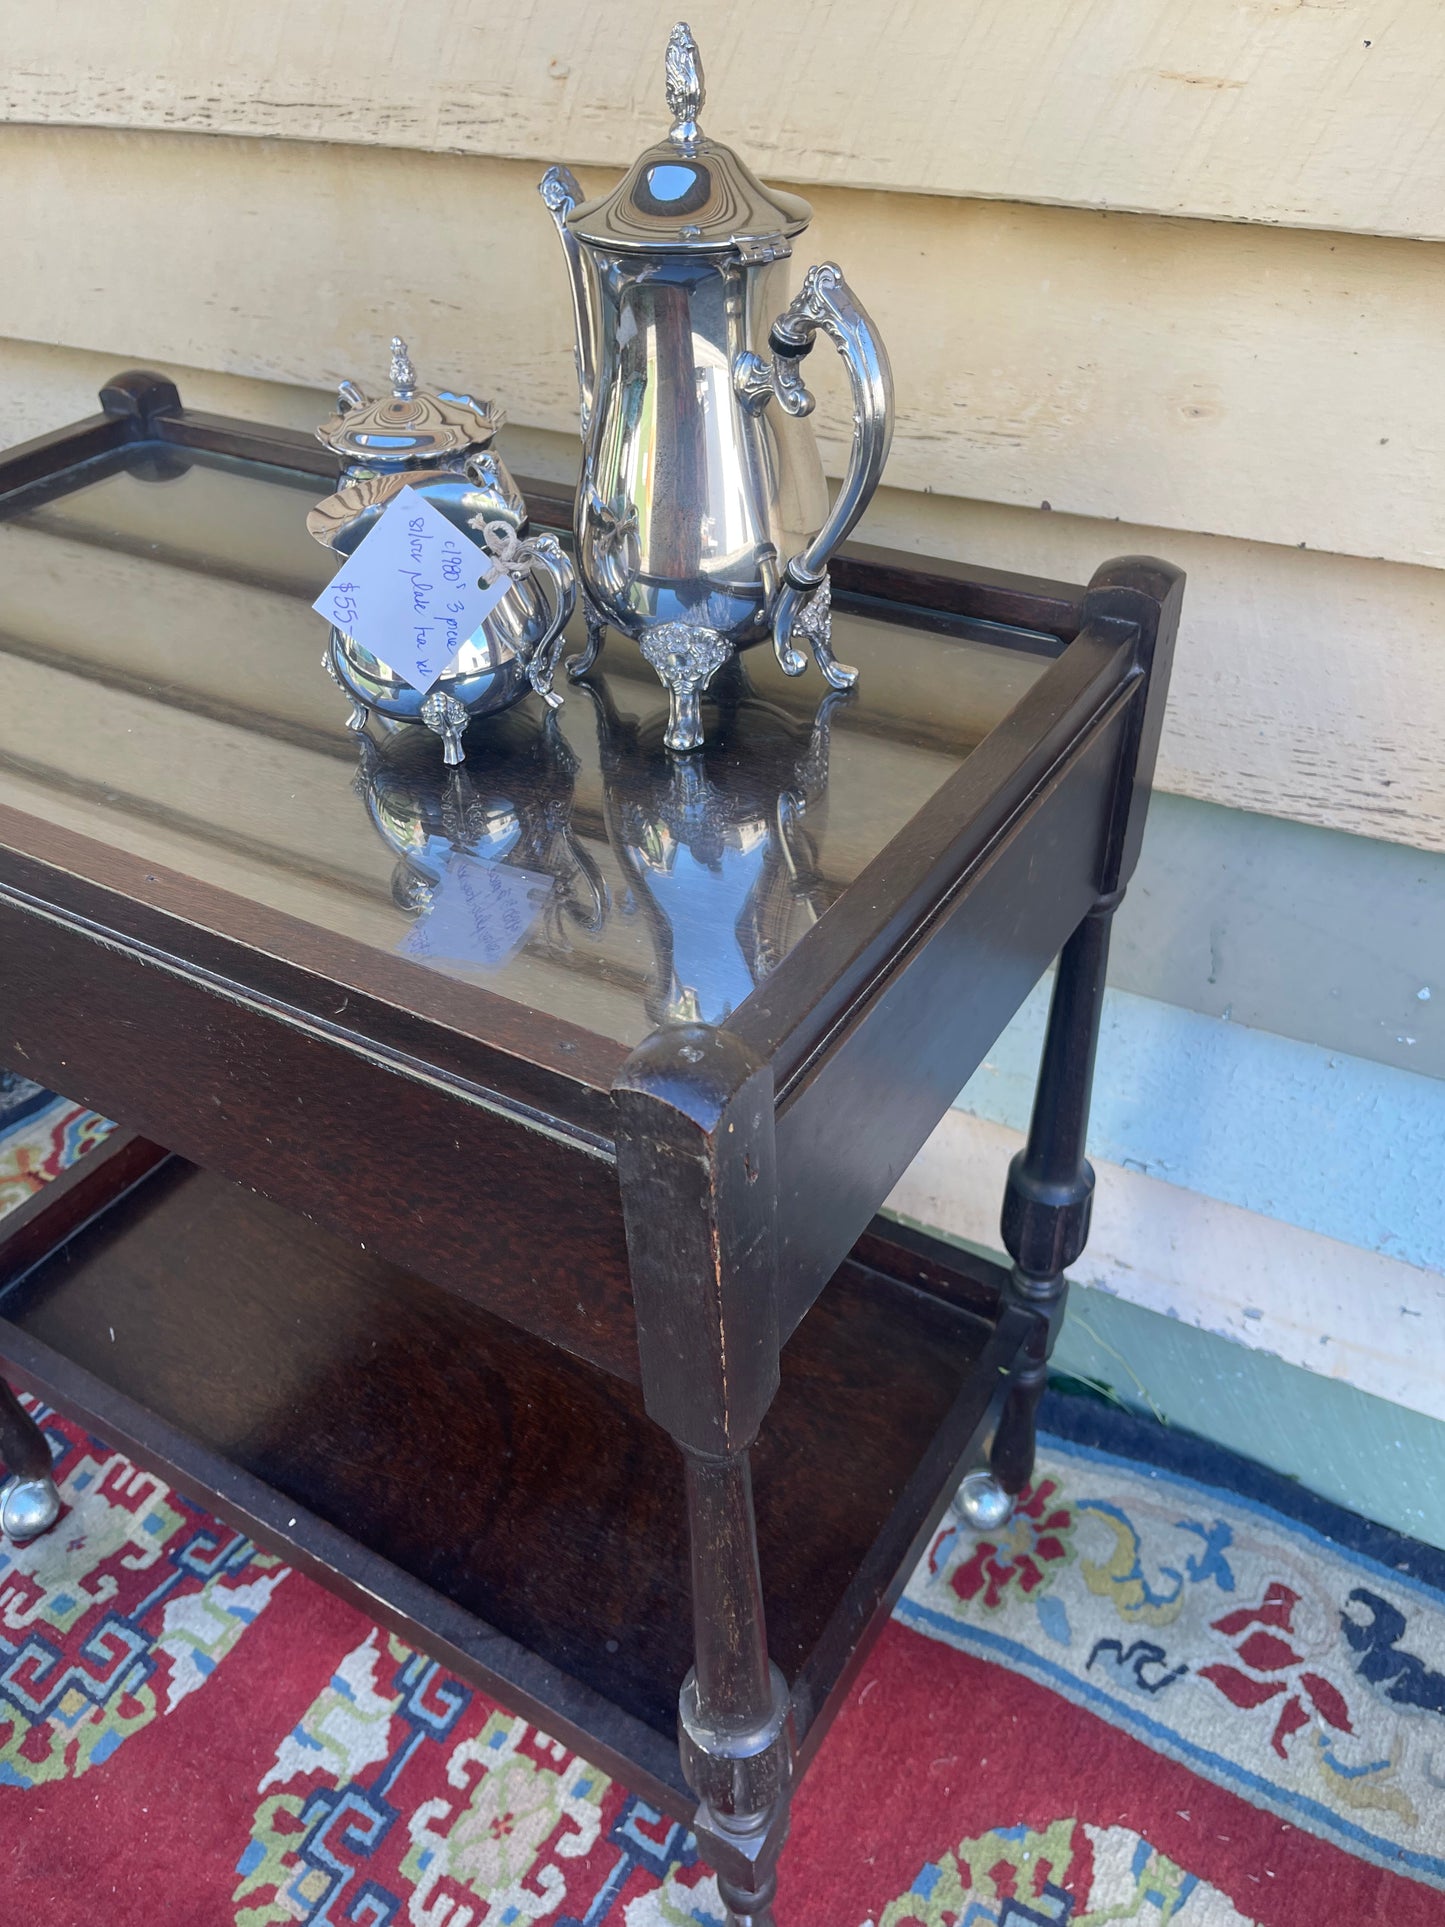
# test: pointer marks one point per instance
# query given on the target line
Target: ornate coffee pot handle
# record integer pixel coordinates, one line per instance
(824, 302)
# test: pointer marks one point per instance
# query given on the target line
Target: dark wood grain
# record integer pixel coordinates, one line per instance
(64, 451)
(886, 1567)
(363, 993)
(699, 1184)
(866, 1107)
(477, 1196)
(527, 1489)
(290, 448)
(562, 1706)
(1017, 769)
(876, 1019)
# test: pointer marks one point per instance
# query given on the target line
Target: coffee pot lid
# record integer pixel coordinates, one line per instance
(411, 425)
(689, 194)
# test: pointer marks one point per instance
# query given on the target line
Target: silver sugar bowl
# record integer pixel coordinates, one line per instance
(440, 444)
(703, 523)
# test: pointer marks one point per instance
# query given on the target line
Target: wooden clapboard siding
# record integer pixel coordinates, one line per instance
(1316, 113)
(1306, 685)
(1277, 385)
(43, 386)
(1329, 1307)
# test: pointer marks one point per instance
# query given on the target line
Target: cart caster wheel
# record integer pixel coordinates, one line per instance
(981, 1503)
(28, 1507)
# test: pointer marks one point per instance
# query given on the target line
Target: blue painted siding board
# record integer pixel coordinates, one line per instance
(1340, 1145)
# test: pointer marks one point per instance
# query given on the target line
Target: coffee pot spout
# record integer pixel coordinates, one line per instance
(561, 192)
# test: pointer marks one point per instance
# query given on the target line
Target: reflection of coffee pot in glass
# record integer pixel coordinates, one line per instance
(715, 848)
(486, 858)
(702, 518)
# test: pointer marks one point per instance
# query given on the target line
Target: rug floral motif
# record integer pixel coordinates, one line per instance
(1171, 1691)
(1306, 1678)
(1280, 1675)
(115, 1617)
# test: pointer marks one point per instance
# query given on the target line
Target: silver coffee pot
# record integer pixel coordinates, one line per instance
(702, 519)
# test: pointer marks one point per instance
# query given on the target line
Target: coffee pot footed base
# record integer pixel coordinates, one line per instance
(687, 655)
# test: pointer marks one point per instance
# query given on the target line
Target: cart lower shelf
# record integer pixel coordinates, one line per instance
(507, 1507)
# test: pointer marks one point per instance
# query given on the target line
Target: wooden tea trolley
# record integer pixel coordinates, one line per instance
(520, 1277)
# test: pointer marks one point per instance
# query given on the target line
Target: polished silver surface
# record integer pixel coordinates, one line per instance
(981, 1504)
(689, 192)
(439, 445)
(28, 1507)
(703, 524)
(409, 426)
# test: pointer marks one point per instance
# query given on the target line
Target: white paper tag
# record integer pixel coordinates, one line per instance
(409, 593)
(480, 913)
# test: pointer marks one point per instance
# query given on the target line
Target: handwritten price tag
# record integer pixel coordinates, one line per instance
(409, 593)
(481, 913)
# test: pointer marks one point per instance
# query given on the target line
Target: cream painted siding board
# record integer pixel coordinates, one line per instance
(1305, 686)
(1313, 113)
(1280, 386)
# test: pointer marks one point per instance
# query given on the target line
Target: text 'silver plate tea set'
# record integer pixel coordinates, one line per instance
(702, 523)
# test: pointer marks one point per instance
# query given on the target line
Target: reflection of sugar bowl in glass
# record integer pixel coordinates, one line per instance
(703, 523)
(496, 833)
(439, 444)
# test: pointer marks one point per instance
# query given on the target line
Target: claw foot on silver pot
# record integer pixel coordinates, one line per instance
(444, 716)
(812, 623)
(686, 657)
(360, 714)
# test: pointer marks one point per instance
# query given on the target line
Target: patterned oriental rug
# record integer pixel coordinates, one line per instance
(1175, 1689)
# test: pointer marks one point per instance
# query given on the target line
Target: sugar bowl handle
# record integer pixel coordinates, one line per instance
(537, 555)
(825, 302)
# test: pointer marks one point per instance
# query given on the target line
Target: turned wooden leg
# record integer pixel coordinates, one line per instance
(1046, 1209)
(1050, 1185)
(697, 1162)
(734, 1724)
(29, 1501)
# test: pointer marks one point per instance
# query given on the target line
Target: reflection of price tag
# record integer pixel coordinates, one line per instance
(409, 593)
(480, 913)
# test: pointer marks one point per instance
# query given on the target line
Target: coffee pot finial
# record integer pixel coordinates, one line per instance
(686, 91)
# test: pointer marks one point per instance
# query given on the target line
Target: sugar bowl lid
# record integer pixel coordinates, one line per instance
(411, 425)
(690, 194)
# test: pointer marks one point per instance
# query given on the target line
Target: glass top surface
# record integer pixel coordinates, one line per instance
(166, 696)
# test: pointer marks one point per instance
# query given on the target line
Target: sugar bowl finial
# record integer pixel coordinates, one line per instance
(685, 90)
(403, 375)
